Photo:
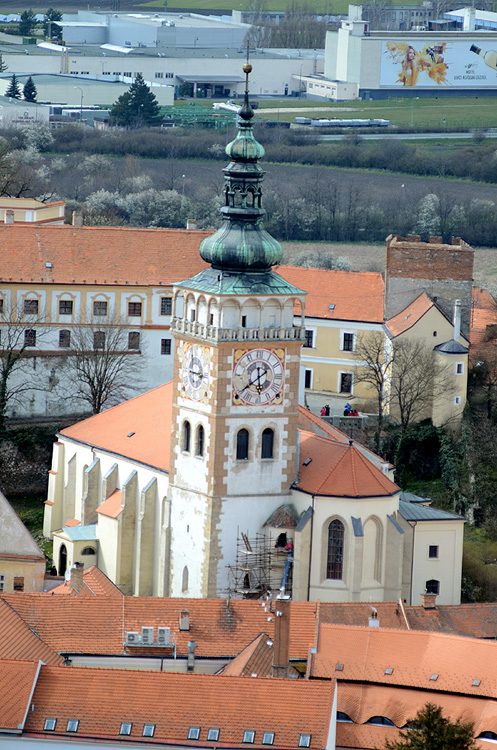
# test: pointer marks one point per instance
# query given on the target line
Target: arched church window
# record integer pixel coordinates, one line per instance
(432, 586)
(88, 551)
(186, 436)
(199, 442)
(242, 445)
(334, 566)
(184, 583)
(267, 443)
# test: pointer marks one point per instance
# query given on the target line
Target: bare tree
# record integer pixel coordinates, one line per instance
(375, 354)
(417, 379)
(105, 360)
(21, 332)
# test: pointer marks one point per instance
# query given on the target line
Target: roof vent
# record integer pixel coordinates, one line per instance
(389, 670)
(48, 265)
(307, 461)
(184, 620)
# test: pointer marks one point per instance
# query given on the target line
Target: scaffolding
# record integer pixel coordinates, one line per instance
(258, 567)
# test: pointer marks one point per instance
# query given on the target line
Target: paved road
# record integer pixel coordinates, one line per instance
(405, 136)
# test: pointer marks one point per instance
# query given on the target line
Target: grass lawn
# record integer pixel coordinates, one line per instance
(319, 6)
(451, 112)
(30, 510)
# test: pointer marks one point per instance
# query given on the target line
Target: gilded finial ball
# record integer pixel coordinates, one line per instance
(247, 68)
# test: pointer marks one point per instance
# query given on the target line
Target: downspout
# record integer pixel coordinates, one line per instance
(413, 527)
(310, 551)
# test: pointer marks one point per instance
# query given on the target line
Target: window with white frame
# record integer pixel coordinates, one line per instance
(345, 383)
(309, 338)
(348, 341)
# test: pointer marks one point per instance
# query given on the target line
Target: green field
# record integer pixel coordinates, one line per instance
(319, 6)
(451, 113)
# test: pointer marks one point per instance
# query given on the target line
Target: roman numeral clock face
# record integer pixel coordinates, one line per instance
(258, 376)
(195, 372)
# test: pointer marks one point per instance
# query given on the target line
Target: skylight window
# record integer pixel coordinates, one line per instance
(148, 730)
(126, 728)
(249, 736)
(268, 738)
(72, 725)
(50, 724)
(194, 733)
(339, 668)
(213, 734)
(434, 677)
(305, 740)
(476, 683)
(389, 670)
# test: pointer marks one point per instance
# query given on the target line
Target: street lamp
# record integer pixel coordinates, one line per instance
(81, 103)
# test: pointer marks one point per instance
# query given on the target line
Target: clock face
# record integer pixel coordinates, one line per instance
(258, 376)
(195, 371)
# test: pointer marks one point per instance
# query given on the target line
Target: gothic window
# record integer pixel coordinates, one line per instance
(334, 567)
(187, 431)
(242, 445)
(267, 443)
(238, 197)
(432, 586)
(199, 443)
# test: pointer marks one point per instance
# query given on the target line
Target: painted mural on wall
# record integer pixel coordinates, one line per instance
(433, 64)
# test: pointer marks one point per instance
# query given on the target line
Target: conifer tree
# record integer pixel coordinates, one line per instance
(14, 89)
(27, 22)
(29, 91)
(136, 107)
(3, 65)
(430, 730)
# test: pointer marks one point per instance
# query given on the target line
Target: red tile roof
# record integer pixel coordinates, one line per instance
(112, 507)
(483, 314)
(355, 295)
(19, 641)
(132, 429)
(362, 702)
(97, 625)
(414, 656)
(310, 422)
(477, 620)
(410, 315)
(98, 255)
(339, 470)
(17, 681)
(102, 699)
(358, 613)
(95, 583)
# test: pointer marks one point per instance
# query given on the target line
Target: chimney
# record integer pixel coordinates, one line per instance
(429, 601)
(469, 19)
(77, 219)
(9, 216)
(184, 620)
(191, 223)
(190, 664)
(457, 319)
(281, 644)
(76, 581)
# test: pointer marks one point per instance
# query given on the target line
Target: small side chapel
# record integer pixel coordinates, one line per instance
(168, 490)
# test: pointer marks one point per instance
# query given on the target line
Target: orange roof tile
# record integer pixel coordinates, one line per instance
(95, 583)
(97, 624)
(478, 620)
(132, 429)
(73, 522)
(98, 255)
(112, 507)
(361, 702)
(355, 295)
(410, 315)
(18, 641)
(483, 314)
(414, 656)
(256, 660)
(311, 422)
(17, 681)
(339, 470)
(102, 699)
(358, 613)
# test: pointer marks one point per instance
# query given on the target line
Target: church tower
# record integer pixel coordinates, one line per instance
(236, 382)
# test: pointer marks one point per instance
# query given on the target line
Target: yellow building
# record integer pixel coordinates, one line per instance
(22, 563)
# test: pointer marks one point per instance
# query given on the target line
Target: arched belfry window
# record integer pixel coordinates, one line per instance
(242, 445)
(184, 583)
(200, 440)
(334, 566)
(186, 436)
(267, 446)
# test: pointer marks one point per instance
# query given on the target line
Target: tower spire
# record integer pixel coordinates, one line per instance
(242, 243)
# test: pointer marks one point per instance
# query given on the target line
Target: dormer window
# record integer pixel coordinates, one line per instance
(194, 733)
(305, 740)
(50, 724)
(126, 728)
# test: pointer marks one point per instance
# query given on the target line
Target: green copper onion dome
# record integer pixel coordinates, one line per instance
(242, 243)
